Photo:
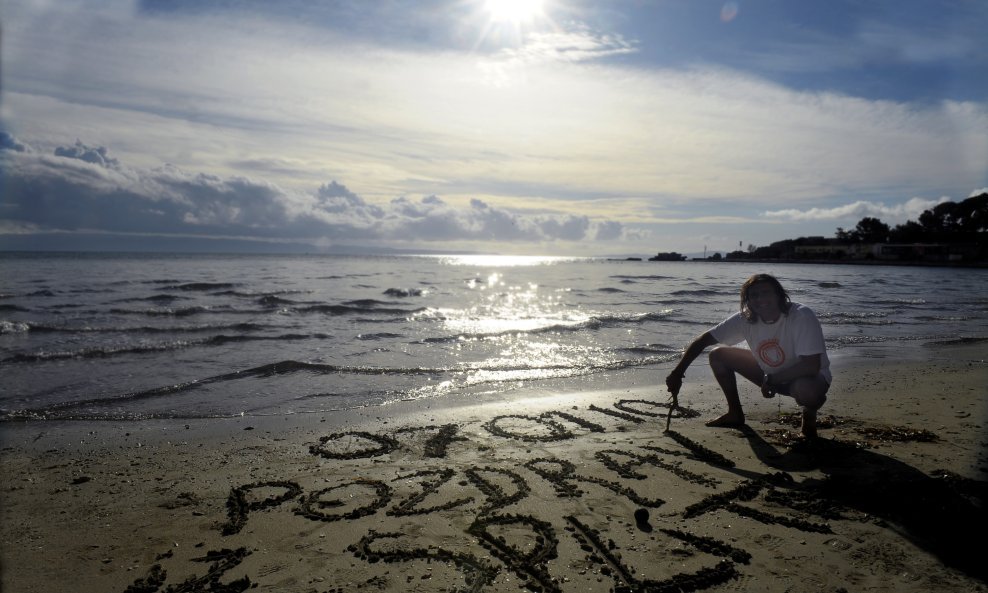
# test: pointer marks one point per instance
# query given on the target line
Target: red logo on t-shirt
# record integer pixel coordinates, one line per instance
(771, 353)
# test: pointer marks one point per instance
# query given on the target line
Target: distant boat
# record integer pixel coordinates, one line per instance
(667, 256)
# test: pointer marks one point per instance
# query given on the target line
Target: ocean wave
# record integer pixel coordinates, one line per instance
(944, 318)
(148, 333)
(16, 308)
(540, 371)
(155, 282)
(351, 310)
(900, 301)
(851, 315)
(205, 286)
(270, 305)
(651, 349)
(500, 374)
(13, 327)
(169, 312)
(839, 341)
(41, 415)
(866, 318)
(142, 329)
(974, 301)
(368, 303)
(467, 376)
(224, 339)
(102, 352)
(270, 300)
(593, 323)
(379, 336)
(667, 302)
(626, 318)
(156, 298)
(107, 352)
(252, 294)
(470, 374)
(696, 292)
(62, 410)
(404, 292)
(379, 395)
(962, 341)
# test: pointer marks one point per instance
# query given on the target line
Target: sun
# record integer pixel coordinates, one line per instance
(513, 11)
(503, 24)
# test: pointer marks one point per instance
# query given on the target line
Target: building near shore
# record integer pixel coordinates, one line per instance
(821, 248)
(920, 252)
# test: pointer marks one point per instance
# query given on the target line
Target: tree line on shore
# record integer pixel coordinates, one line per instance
(950, 231)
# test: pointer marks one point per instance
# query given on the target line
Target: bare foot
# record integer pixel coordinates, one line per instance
(727, 421)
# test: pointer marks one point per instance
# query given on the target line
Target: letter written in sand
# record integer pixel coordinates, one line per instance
(319, 506)
(627, 578)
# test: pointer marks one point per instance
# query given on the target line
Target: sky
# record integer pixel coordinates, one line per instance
(557, 127)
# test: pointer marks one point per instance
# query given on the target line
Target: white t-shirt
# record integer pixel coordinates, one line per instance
(777, 346)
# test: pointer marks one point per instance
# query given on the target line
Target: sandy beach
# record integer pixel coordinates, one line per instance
(574, 491)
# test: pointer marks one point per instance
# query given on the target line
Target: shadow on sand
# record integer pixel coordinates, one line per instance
(941, 512)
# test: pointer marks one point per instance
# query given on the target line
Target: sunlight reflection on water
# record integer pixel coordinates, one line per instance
(508, 316)
(514, 308)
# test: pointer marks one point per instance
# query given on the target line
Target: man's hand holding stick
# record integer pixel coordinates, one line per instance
(674, 382)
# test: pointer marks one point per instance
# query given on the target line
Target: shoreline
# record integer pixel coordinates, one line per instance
(537, 490)
(84, 435)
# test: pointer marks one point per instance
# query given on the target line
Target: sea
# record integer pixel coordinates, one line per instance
(130, 337)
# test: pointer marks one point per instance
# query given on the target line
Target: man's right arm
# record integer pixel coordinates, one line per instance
(675, 379)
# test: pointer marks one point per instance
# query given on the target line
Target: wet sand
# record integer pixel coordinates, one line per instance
(577, 491)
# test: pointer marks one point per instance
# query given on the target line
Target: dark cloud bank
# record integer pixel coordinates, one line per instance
(80, 197)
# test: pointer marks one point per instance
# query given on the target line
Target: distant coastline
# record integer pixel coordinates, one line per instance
(948, 235)
(846, 262)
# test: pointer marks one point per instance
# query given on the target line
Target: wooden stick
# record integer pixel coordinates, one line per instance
(673, 406)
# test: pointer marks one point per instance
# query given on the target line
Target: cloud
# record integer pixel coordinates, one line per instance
(389, 119)
(609, 231)
(578, 45)
(896, 213)
(334, 199)
(254, 113)
(8, 142)
(83, 188)
(511, 66)
(936, 42)
(97, 156)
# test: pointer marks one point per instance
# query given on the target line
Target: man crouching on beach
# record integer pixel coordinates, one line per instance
(786, 353)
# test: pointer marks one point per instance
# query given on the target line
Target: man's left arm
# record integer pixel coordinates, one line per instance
(807, 366)
(809, 348)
